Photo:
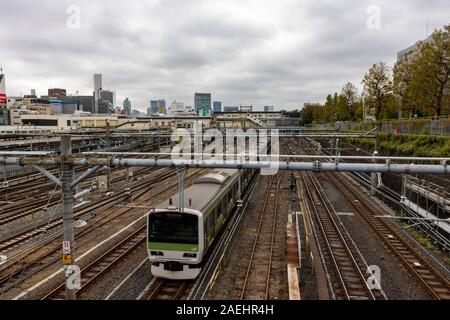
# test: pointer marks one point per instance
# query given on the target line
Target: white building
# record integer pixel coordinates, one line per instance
(176, 107)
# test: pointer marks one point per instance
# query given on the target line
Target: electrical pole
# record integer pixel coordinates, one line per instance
(68, 218)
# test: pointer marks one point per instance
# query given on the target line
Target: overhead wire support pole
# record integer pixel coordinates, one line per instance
(68, 217)
(181, 174)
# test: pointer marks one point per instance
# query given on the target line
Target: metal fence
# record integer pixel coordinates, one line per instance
(424, 126)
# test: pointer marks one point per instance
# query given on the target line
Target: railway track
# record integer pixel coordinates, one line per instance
(23, 270)
(94, 270)
(437, 285)
(138, 189)
(340, 254)
(260, 262)
(164, 289)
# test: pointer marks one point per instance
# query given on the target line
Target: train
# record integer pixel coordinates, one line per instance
(178, 239)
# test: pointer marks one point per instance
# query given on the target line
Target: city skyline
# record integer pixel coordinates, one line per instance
(243, 53)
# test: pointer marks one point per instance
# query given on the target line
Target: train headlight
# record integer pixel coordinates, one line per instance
(156, 253)
(190, 255)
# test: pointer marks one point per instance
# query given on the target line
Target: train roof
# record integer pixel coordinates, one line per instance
(199, 194)
(216, 176)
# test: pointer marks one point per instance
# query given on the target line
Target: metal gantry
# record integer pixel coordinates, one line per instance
(96, 160)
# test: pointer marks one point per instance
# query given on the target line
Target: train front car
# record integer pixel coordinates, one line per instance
(174, 246)
(178, 239)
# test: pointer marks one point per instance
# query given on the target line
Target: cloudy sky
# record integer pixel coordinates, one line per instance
(260, 52)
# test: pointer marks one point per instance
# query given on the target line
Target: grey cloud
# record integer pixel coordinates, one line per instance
(282, 53)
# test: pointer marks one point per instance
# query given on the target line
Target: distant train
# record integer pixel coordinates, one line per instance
(178, 240)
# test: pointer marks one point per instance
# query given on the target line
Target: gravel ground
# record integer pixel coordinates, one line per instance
(229, 282)
(396, 281)
(135, 284)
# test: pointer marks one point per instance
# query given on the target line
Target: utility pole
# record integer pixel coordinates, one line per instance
(68, 218)
(108, 146)
(373, 175)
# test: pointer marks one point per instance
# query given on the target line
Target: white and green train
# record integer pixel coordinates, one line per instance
(179, 239)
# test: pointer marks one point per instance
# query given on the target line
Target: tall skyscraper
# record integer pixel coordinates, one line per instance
(202, 103)
(97, 88)
(217, 106)
(106, 102)
(127, 107)
(153, 107)
(162, 106)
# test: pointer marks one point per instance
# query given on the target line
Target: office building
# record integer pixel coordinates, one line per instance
(230, 109)
(153, 107)
(70, 104)
(56, 105)
(269, 108)
(57, 93)
(4, 111)
(217, 106)
(202, 102)
(98, 84)
(413, 48)
(3, 100)
(106, 102)
(162, 106)
(127, 107)
(176, 107)
(246, 108)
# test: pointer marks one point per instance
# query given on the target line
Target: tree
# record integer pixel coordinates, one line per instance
(403, 73)
(349, 97)
(377, 86)
(431, 71)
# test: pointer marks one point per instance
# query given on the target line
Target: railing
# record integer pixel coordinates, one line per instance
(424, 126)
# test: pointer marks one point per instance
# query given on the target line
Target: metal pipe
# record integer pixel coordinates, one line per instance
(85, 175)
(294, 156)
(47, 174)
(302, 166)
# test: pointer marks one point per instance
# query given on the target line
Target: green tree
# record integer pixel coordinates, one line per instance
(403, 73)
(377, 86)
(349, 99)
(431, 71)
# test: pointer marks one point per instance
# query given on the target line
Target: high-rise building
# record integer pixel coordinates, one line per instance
(57, 93)
(153, 107)
(176, 107)
(217, 106)
(269, 108)
(127, 107)
(202, 102)
(413, 48)
(106, 102)
(70, 104)
(98, 85)
(162, 106)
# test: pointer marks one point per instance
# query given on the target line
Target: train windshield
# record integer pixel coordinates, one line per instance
(173, 227)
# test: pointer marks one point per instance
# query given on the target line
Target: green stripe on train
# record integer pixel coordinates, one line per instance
(172, 246)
